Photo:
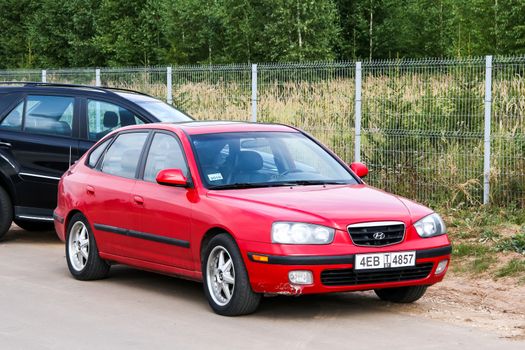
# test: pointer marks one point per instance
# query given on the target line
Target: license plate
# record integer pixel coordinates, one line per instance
(384, 260)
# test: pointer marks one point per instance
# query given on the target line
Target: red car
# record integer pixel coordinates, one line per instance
(248, 209)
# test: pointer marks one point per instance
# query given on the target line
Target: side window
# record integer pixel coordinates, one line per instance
(51, 115)
(104, 117)
(13, 121)
(123, 155)
(165, 153)
(94, 156)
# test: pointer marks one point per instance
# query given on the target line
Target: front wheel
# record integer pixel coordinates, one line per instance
(82, 257)
(401, 294)
(226, 282)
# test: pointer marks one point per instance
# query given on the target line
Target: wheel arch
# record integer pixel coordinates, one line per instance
(68, 219)
(212, 232)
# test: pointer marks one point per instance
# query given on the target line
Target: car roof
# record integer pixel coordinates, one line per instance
(19, 86)
(213, 127)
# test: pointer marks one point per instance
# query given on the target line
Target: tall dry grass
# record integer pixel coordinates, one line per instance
(422, 129)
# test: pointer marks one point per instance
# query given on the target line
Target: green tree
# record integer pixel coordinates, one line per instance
(130, 32)
(16, 48)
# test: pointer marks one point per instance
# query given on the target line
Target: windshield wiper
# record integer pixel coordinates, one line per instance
(313, 182)
(276, 184)
(239, 186)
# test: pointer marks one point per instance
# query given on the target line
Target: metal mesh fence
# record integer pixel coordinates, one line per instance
(318, 98)
(21, 75)
(422, 120)
(508, 132)
(423, 128)
(213, 92)
(150, 80)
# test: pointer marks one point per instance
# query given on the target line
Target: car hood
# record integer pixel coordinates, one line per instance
(333, 205)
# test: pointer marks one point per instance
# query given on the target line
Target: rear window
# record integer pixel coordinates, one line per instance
(95, 154)
(122, 157)
(49, 115)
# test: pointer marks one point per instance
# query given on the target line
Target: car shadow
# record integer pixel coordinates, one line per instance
(19, 235)
(333, 305)
(152, 282)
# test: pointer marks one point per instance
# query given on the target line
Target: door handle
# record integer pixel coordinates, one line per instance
(5, 144)
(90, 189)
(138, 199)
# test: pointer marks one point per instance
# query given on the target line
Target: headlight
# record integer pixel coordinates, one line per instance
(431, 225)
(301, 233)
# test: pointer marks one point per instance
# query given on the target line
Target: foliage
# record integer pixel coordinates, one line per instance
(53, 33)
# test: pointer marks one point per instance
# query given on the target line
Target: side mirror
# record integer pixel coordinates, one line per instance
(359, 169)
(172, 177)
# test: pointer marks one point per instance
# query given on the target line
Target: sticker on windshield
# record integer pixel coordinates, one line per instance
(215, 177)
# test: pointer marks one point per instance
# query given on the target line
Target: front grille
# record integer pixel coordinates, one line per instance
(351, 277)
(390, 232)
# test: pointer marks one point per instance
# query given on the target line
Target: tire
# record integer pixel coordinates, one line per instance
(29, 225)
(82, 257)
(6, 217)
(403, 295)
(233, 277)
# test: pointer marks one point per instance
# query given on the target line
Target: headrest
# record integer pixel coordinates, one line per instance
(110, 120)
(249, 161)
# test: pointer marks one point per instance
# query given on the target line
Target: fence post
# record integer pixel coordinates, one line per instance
(488, 110)
(44, 76)
(357, 150)
(97, 77)
(254, 93)
(169, 86)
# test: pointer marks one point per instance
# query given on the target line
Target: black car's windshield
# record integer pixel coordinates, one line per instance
(160, 110)
(163, 111)
(265, 159)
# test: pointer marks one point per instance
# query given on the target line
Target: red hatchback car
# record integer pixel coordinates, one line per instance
(248, 209)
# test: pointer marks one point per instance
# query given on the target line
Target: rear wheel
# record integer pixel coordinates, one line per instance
(401, 294)
(29, 225)
(6, 211)
(82, 257)
(226, 282)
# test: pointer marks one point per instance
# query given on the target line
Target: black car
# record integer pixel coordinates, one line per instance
(45, 127)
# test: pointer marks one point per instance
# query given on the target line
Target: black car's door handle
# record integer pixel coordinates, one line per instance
(5, 144)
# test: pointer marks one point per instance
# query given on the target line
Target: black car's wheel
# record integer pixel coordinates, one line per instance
(6, 214)
(401, 294)
(226, 282)
(82, 257)
(29, 225)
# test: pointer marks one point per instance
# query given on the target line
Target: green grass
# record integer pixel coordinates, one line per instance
(482, 238)
(515, 243)
(470, 249)
(515, 267)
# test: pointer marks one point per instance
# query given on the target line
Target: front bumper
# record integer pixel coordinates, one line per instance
(271, 276)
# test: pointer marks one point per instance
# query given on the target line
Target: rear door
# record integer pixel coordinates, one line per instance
(40, 134)
(109, 196)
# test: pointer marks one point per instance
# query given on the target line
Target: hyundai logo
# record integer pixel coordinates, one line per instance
(379, 235)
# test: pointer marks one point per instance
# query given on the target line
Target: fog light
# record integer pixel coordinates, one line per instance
(441, 266)
(301, 277)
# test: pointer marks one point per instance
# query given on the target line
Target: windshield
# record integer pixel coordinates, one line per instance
(163, 111)
(264, 159)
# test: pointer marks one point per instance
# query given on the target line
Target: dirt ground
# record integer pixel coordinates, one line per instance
(494, 306)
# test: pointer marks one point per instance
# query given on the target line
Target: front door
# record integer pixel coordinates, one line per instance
(165, 210)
